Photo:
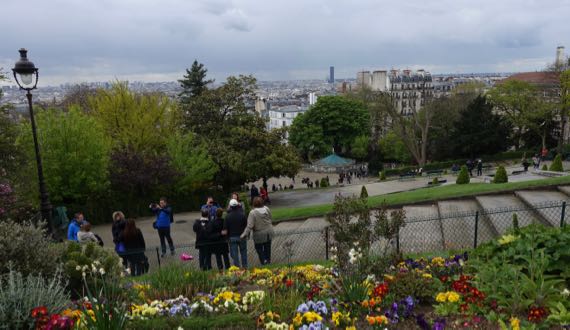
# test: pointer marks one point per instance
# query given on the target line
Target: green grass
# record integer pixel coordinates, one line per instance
(421, 195)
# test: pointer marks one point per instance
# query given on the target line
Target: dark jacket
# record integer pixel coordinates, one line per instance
(163, 217)
(236, 221)
(133, 244)
(200, 227)
(218, 241)
(117, 230)
(211, 210)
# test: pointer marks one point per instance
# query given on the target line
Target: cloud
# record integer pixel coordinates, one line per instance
(235, 19)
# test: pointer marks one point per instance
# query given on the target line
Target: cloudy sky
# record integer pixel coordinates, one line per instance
(152, 40)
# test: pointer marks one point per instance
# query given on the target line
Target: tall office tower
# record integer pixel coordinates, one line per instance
(331, 75)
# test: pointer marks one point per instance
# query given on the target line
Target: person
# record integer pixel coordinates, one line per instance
(235, 225)
(260, 223)
(479, 167)
(119, 223)
(135, 247)
(85, 235)
(525, 164)
(162, 224)
(535, 162)
(264, 194)
(211, 207)
(273, 188)
(75, 226)
(253, 193)
(543, 154)
(469, 164)
(280, 187)
(202, 244)
(235, 196)
(455, 168)
(217, 237)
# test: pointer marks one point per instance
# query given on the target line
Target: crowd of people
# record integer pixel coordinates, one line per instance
(216, 235)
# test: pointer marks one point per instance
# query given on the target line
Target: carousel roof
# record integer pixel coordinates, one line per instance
(334, 160)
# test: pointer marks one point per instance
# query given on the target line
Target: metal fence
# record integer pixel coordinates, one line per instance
(447, 230)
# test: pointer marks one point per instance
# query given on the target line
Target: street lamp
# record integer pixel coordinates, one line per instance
(26, 76)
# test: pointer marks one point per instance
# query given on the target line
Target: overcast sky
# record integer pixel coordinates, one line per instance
(101, 40)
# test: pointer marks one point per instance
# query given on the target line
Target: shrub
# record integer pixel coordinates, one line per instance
(363, 192)
(413, 284)
(501, 175)
(383, 176)
(75, 255)
(324, 183)
(556, 165)
(463, 177)
(435, 181)
(544, 167)
(20, 294)
(27, 248)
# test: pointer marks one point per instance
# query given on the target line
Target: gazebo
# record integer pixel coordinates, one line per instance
(333, 163)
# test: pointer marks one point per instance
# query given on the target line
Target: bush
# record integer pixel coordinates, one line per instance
(413, 284)
(324, 183)
(556, 165)
(463, 177)
(435, 181)
(544, 167)
(75, 255)
(383, 176)
(20, 294)
(501, 175)
(363, 192)
(27, 248)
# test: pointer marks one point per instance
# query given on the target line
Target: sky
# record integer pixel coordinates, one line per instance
(102, 40)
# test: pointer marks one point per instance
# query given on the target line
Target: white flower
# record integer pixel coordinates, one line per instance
(371, 278)
(83, 274)
(84, 268)
(180, 328)
(102, 271)
(128, 270)
(96, 263)
(565, 292)
(77, 268)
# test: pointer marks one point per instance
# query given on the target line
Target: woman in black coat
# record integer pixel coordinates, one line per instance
(219, 241)
(135, 246)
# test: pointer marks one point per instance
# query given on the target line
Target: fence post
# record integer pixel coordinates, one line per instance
(476, 229)
(327, 243)
(563, 214)
(398, 242)
(158, 256)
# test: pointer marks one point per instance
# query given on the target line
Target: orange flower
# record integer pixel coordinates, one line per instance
(371, 320)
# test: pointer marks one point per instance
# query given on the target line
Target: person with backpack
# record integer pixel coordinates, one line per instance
(235, 224)
(253, 193)
(202, 244)
(217, 237)
(260, 223)
(75, 226)
(135, 248)
(85, 235)
(164, 218)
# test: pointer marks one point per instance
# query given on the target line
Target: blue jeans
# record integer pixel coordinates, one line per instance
(241, 244)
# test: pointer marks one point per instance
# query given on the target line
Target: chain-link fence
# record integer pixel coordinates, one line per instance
(448, 229)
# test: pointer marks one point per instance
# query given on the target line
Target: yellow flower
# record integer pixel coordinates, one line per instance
(233, 269)
(438, 261)
(506, 239)
(312, 317)
(452, 296)
(441, 297)
(350, 328)
(336, 318)
(297, 320)
(426, 275)
(388, 277)
(515, 323)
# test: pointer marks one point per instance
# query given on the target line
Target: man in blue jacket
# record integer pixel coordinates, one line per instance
(75, 226)
(162, 224)
(211, 206)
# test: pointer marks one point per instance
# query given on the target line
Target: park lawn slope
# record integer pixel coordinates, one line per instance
(421, 195)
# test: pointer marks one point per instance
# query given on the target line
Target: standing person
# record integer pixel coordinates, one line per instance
(469, 164)
(119, 223)
(235, 196)
(217, 236)
(264, 194)
(543, 154)
(273, 188)
(211, 206)
(202, 243)
(253, 193)
(535, 162)
(135, 247)
(162, 224)
(85, 235)
(260, 223)
(479, 167)
(75, 226)
(235, 225)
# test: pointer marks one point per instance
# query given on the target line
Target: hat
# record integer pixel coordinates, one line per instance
(234, 203)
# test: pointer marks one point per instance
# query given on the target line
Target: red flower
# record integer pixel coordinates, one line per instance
(289, 283)
(536, 314)
(39, 311)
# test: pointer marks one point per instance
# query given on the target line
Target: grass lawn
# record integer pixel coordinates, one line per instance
(421, 195)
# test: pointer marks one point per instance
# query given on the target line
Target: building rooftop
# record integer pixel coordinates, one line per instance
(536, 78)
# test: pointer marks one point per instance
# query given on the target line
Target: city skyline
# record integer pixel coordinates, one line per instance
(106, 40)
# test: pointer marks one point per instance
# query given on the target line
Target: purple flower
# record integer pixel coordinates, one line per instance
(439, 324)
(422, 323)
(303, 308)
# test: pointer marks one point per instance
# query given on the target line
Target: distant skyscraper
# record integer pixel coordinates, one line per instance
(331, 75)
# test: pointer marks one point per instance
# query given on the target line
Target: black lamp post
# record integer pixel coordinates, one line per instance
(26, 75)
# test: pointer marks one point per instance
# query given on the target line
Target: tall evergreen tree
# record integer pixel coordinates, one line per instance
(194, 82)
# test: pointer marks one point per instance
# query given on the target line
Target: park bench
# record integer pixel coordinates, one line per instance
(434, 173)
(487, 168)
(407, 176)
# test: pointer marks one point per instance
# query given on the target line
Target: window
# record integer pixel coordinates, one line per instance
(283, 114)
(284, 123)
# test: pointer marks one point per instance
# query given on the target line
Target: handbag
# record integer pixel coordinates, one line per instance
(120, 247)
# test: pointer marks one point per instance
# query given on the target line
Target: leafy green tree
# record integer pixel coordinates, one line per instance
(479, 131)
(194, 82)
(339, 119)
(556, 165)
(138, 122)
(501, 175)
(10, 154)
(359, 148)
(393, 148)
(75, 152)
(191, 160)
(237, 139)
(363, 192)
(463, 177)
(564, 106)
(307, 138)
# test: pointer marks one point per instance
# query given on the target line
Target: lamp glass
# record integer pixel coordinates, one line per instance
(26, 78)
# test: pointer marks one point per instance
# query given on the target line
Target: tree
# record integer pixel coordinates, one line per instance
(194, 82)
(564, 106)
(336, 119)
(556, 165)
(501, 175)
(359, 148)
(237, 139)
(393, 148)
(463, 177)
(479, 131)
(75, 152)
(307, 138)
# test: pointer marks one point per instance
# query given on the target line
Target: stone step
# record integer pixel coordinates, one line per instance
(458, 221)
(542, 198)
(422, 232)
(502, 208)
